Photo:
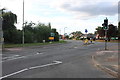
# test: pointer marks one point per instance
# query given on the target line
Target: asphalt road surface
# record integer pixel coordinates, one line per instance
(69, 60)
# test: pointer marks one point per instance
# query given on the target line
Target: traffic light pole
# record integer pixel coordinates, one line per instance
(105, 26)
(105, 39)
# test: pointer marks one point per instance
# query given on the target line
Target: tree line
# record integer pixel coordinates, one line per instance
(113, 31)
(33, 33)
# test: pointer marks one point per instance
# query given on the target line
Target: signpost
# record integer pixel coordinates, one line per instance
(52, 35)
(86, 30)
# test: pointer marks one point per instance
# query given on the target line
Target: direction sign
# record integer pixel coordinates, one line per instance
(52, 34)
(51, 38)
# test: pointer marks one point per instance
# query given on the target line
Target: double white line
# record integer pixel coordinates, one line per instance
(30, 68)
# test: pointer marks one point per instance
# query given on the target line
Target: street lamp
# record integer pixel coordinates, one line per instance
(1, 31)
(64, 31)
(23, 26)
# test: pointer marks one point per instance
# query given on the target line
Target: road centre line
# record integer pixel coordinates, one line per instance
(30, 68)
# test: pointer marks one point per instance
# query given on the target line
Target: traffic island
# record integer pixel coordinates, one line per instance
(107, 61)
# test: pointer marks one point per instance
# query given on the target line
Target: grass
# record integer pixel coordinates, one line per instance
(113, 41)
(30, 44)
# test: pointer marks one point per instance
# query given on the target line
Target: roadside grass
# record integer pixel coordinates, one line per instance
(31, 44)
(112, 41)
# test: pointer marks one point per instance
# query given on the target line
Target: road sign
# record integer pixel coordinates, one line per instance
(86, 30)
(51, 38)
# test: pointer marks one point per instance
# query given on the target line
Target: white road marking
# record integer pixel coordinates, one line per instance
(26, 69)
(55, 62)
(38, 53)
(10, 57)
(75, 47)
(14, 58)
(14, 73)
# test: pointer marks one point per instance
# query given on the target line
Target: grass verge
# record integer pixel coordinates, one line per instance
(113, 41)
(31, 44)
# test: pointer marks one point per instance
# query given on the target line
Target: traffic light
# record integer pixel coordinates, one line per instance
(105, 24)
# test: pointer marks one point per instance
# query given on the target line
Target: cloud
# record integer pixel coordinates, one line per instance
(86, 9)
(64, 13)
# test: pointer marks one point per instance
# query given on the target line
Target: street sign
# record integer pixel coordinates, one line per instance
(51, 38)
(86, 30)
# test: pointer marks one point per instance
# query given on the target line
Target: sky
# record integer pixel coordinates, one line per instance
(71, 15)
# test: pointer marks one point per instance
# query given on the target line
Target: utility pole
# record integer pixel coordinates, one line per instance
(23, 25)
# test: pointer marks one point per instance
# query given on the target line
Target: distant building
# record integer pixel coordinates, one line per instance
(88, 36)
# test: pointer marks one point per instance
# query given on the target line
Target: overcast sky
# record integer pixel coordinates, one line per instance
(76, 15)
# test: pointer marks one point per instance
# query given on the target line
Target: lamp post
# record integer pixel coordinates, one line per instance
(64, 31)
(23, 25)
(1, 31)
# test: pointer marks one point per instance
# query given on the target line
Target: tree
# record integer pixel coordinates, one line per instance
(118, 33)
(49, 25)
(29, 32)
(9, 30)
(42, 32)
(100, 31)
(32, 32)
(9, 19)
(77, 34)
(112, 31)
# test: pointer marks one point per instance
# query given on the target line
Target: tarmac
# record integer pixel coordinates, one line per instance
(108, 61)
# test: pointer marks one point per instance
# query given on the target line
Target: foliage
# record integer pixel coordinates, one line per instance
(76, 34)
(33, 33)
(111, 32)
(42, 32)
(9, 19)
(119, 29)
(100, 31)
(11, 34)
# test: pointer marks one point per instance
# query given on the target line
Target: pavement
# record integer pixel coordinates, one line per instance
(107, 60)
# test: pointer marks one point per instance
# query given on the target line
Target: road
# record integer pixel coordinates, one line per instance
(69, 60)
